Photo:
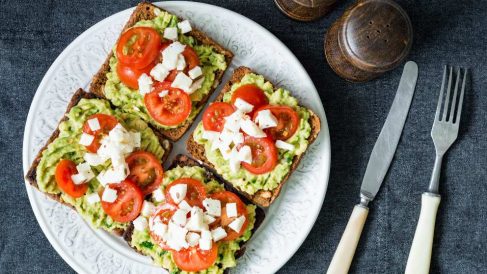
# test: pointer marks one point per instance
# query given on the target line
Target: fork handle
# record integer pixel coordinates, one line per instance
(420, 253)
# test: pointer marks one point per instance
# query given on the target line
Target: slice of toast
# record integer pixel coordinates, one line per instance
(183, 160)
(263, 197)
(145, 11)
(31, 175)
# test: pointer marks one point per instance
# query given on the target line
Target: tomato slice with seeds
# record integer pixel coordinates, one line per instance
(264, 155)
(226, 197)
(107, 123)
(138, 47)
(251, 94)
(163, 212)
(191, 58)
(195, 193)
(130, 75)
(145, 170)
(213, 117)
(194, 259)
(64, 170)
(288, 122)
(170, 110)
(128, 204)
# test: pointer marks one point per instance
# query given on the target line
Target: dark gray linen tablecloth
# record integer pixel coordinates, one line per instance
(33, 34)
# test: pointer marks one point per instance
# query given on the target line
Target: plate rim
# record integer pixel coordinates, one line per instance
(325, 134)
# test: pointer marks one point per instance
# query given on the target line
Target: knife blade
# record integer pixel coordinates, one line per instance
(386, 144)
(379, 162)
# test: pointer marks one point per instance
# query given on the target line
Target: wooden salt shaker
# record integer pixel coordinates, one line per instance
(305, 10)
(370, 38)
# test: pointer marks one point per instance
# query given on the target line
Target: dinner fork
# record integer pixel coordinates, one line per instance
(444, 133)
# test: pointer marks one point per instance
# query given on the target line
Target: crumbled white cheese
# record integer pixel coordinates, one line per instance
(184, 205)
(196, 85)
(78, 179)
(93, 159)
(182, 81)
(196, 221)
(193, 239)
(245, 154)
(109, 195)
(283, 145)
(249, 127)
(170, 55)
(195, 72)
(159, 72)
(210, 135)
(266, 119)
(181, 63)
(205, 244)
(92, 198)
(159, 229)
(231, 210)
(86, 139)
(243, 105)
(171, 33)
(208, 219)
(145, 83)
(206, 234)
(163, 93)
(158, 195)
(179, 217)
(176, 238)
(94, 124)
(140, 223)
(178, 192)
(237, 224)
(213, 207)
(147, 208)
(184, 26)
(218, 234)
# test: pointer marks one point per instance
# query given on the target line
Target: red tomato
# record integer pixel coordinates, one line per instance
(64, 169)
(130, 75)
(194, 259)
(226, 197)
(251, 94)
(195, 193)
(128, 204)
(213, 117)
(264, 155)
(138, 47)
(145, 170)
(191, 58)
(164, 212)
(107, 123)
(170, 110)
(288, 122)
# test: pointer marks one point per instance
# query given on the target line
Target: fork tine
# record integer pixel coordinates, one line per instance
(460, 103)
(454, 98)
(440, 99)
(447, 98)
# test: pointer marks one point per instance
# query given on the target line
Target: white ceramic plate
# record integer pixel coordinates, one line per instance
(288, 221)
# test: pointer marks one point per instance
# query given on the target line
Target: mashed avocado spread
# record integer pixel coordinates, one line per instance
(66, 146)
(243, 179)
(142, 241)
(131, 101)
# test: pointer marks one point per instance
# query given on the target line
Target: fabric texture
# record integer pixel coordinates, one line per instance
(34, 33)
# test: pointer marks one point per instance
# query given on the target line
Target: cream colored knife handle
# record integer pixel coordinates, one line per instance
(346, 248)
(420, 254)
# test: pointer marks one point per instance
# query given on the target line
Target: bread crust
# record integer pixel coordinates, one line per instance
(262, 198)
(31, 175)
(183, 160)
(145, 11)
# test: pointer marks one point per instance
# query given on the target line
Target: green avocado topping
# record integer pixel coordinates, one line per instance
(66, 146)
(243, 179)
(142, 241)
(131, 101)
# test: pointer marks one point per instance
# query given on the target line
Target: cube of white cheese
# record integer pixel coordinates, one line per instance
(86, 139)
(266, 119)
(193, 239)
(94, 124)
(78, 179)
(208, 219)
(163, 93)
(196, 85)
(145, 84)
(178, 192)
(196, 222)
(184, 205)
(159, 229)
(231, 210)
(158, 195)
(238, 138)
(195, 72)
(140, 223)
(181, 63)
(210, 135)
(234, 165)
(232, 121)
(109, 195)
(182, 81)
(177, 237)
(171, 33)
(85, 170)
(93, 159)
(147, 208)
(243, 105)
(179, 217)
(159, 72)
(237, 224)
(206, 234)
(218, 234)
(184, 26)
(283, 145)
(92, 198)
(205, 244)
(245, 154)
(213, 207)
(249, 127)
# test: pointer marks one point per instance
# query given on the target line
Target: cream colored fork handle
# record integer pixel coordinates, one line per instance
(420, 254)
(346, 248)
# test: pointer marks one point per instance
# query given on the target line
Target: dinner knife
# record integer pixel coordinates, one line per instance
(379, 162)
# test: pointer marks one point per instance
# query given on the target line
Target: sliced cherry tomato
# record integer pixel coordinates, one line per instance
(264, 155)
(194, 259)
(213, 118)
(163, 212)
(170, 110)
(138, 47)
(107, 123)
(288, 122)
(191, 58)
(64, 170)
(195, 193)
(128, 204)
(145, 170)
(130, 75)
(226, 197)
(251, 94)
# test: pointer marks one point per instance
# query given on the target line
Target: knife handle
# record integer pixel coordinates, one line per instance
(346, 248)
(420, 253)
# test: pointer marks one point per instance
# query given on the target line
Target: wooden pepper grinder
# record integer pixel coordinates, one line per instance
(370, 38)
(305, 10)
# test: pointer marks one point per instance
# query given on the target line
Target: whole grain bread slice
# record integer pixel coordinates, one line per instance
(263, 198)
(146, 11)
(183, 160)
(31, 175)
